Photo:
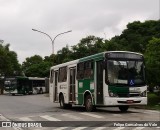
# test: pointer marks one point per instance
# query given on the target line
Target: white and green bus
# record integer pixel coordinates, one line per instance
(24, 85)
(113, 78)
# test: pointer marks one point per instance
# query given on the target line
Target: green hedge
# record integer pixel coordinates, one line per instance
(154, 100)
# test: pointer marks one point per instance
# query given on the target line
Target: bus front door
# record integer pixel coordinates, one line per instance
(99, 86)
(72, 84)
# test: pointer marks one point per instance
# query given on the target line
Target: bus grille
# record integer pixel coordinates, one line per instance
(128, 95)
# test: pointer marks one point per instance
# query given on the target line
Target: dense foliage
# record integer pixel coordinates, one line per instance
(152, 55)
(139, 36)
(35, 66)
(9, 65)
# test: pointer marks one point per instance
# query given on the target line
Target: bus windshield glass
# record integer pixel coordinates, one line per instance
(129, 72)
(10, 82)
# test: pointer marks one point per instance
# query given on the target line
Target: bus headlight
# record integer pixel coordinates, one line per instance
(143, 94)
(111, 94)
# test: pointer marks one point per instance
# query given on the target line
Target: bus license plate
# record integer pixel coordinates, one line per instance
(129, 101)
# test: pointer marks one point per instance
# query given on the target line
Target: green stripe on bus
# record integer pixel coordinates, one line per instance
(84, 85)
(92, 57)
(118, 89)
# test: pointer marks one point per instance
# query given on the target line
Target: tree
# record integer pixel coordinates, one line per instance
(138, 34)
(87, 46)
(31, 66)
(64, 55)
(152, 57)
(36, 59)
(9, 65)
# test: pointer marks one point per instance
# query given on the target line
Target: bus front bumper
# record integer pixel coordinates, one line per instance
(114, 101)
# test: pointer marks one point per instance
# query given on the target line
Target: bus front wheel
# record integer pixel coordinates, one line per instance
(123, 108)
(88, 104)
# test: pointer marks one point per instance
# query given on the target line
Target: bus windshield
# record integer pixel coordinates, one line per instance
(129, 72)
(9, 84)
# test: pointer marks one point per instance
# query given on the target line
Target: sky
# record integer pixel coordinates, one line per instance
(101, 18)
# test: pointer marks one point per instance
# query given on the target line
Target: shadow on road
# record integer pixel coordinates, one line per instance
(112, 110)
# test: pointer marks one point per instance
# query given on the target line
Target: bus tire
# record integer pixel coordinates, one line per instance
(61, 102)
(41, 91)
(69, 106)
(25, 92)
(123, 108)
(88, 104)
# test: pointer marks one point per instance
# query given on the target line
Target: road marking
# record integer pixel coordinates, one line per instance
(79, 128)
(71, 116)
(118, 115)
(50, 118)
(3, 118)
(25, 119)
(99, 128)
(60, 128)
(148, 111)
(138, 128)
(92, 115)
(119, 128)
(135, 114)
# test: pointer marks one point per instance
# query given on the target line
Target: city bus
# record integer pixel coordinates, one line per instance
(24, 85)
(113, 78)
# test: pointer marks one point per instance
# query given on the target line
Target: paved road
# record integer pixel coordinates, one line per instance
(39, 108)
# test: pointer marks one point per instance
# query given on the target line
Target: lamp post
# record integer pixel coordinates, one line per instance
(52, 40)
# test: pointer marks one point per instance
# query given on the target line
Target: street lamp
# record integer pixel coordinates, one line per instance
(52, 40)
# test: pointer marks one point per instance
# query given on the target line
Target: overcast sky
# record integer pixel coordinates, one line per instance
(101, 18)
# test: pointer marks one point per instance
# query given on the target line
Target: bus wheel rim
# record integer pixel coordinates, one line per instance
(89, 103)
(61, 103)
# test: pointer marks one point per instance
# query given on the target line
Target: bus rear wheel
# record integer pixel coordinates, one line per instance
(41, 91)
(88, 104)
(61, 102)
(123, 108)
(25, 92)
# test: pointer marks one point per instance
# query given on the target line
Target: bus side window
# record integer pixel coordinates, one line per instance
(80, 70)
(62, 77)
(88, 71)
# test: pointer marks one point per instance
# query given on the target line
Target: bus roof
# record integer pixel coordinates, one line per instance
(125, 51)
(95, 56)
(65, 64)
